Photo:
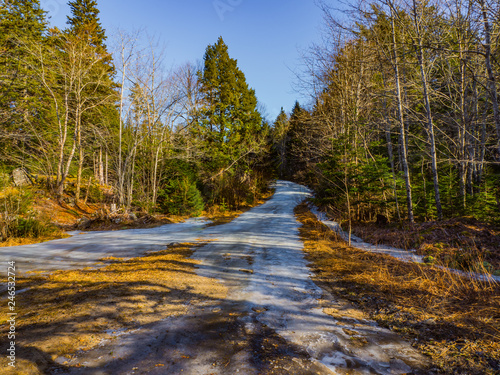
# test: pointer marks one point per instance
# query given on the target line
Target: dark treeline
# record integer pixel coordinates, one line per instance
(405, 121)
(112, 124)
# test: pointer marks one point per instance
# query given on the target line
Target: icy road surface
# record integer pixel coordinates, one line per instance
(84, 249)
(272, 322)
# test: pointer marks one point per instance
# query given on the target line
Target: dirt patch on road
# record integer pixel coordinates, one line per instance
(69, 311)
(454, 320)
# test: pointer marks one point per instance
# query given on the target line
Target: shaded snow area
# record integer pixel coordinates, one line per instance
(272, 321)
(358, 243)
(404, 255)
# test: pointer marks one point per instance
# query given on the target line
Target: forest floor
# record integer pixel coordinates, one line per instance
(459, 243)
(452, 319)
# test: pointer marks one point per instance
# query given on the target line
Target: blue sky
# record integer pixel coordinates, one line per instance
(266, 37)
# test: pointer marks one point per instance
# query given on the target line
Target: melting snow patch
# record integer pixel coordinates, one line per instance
(404, 255)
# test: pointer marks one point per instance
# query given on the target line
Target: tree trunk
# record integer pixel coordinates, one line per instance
(65, 170)
(430, 124)
(106, 170)
(491, 75)
(402, 128)
(101, 168)
(463, 170)
(155, 175)
(63, 133)
(80, 154)
(390, 151)
(130, 186)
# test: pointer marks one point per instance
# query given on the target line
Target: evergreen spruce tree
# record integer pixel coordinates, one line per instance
(84, 21)
(230, 117)
(229, 126)
(299, 140)
(22, 25)
(280, 138)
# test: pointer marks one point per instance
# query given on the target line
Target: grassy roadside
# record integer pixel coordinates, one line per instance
(461, 243)
(68, 311)
(19, 241)
(455, 321)
(219, 216)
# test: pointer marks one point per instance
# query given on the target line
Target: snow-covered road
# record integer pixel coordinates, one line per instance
(272, 303)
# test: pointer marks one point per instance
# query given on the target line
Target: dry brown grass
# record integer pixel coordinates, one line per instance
(454, 320)
(461, 242)
(71, 310)
(29, 240)
(220, 216)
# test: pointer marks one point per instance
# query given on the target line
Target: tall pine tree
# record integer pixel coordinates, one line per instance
(22, 25)
(229, 125)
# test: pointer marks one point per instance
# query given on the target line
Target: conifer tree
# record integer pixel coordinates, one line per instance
(300, 140)
(229, 126)
(22, 24)
(230, 116)
(84, 21)
(280, 138)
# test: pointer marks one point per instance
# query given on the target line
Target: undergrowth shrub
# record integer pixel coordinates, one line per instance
(31, 227)
(4, 180)
(181, 197)
(17, 219)
(94, 193)
(235, 189)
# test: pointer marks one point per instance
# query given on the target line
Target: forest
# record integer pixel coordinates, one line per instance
(403, 123)
(405, 120)
(398, 144)
(92, 126)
